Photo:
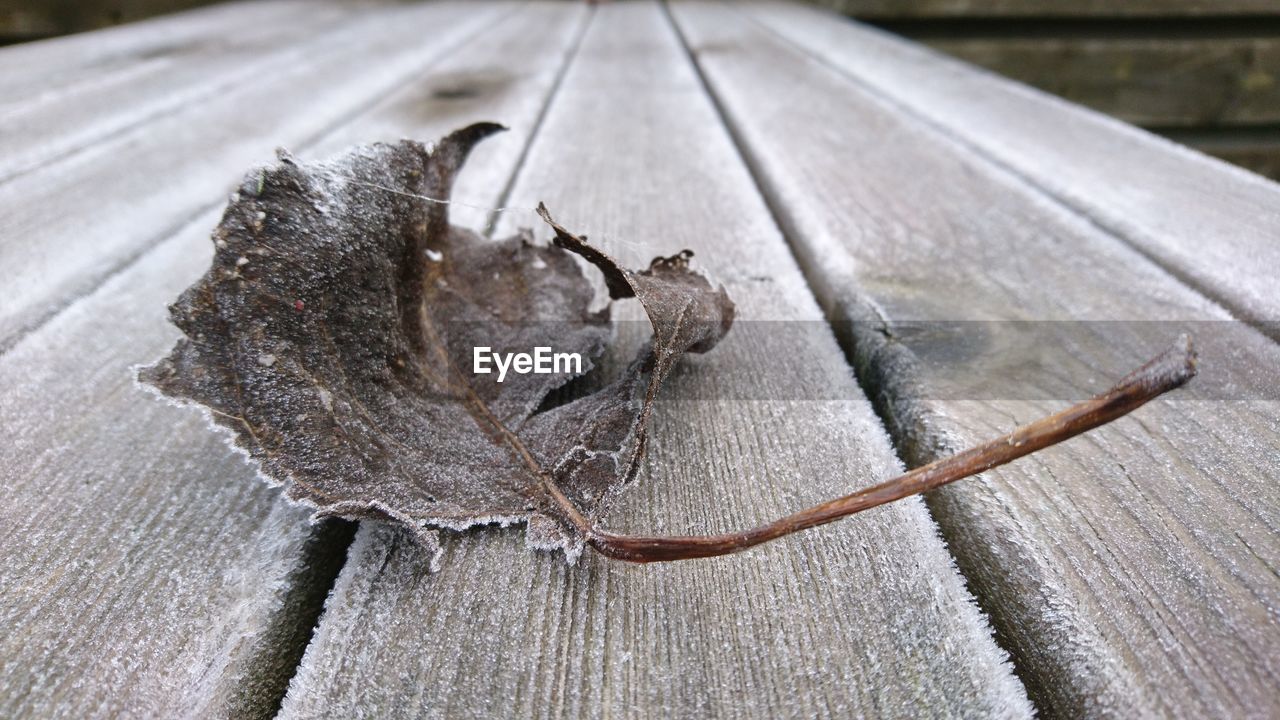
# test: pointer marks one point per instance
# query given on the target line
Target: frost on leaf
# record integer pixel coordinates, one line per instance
(334, 332)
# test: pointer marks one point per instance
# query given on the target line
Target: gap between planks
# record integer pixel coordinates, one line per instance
(872, 386)
(272, 47)
(1270, 329)
(321, 546)
(820, 280)
(64, 248)
(579, 659)
(92, 281)
(345, 540)
(1242, 289)
(504, 197)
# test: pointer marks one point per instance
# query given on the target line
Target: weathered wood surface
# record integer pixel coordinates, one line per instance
(147, 572)
(1164, 82)
(43, 121)
(149, 180)
(1201, 91)
(865, 618)
(1050, 8)
(1160, 65)
(1211, 225)
(54, 66)
(1132, 572)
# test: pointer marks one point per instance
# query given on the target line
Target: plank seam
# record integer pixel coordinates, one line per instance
(1268, 328)
(881, 391)
(887, 371)
(505, 196)
(92, 283)
(276, 63)
(543, 111)
(736, 651)
(323, 557)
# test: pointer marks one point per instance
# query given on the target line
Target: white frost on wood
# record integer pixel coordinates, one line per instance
(144, 568)
(146, 572)
(1139, 552)
(1209, 222)
(866, 617)
(150, 179)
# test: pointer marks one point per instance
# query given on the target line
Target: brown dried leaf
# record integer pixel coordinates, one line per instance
(333, 336)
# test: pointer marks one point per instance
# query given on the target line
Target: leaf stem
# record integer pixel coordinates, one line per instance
(1163, 373)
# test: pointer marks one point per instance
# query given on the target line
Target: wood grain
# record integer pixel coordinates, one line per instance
(1207, 223)
(1132, 572)
(866, 617)
(150, 80)
(148, 572)
(53, 66)
(146, 182)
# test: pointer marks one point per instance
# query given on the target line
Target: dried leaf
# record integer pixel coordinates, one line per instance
(333, 335)
(334, 332)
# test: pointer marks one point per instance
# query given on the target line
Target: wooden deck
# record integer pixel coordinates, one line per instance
(1199, 73)
(832, 177)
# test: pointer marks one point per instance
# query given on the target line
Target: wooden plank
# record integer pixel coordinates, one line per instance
(137, 88)
(862, 618)
(1049, 8)
(507, 78)
(1208, 223)
(1171, 82)
(50, 254)
(30, 70)
(148, 573)
(1132, 572)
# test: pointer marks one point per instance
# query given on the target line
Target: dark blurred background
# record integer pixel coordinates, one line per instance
(24, 20)
(1205, 73)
